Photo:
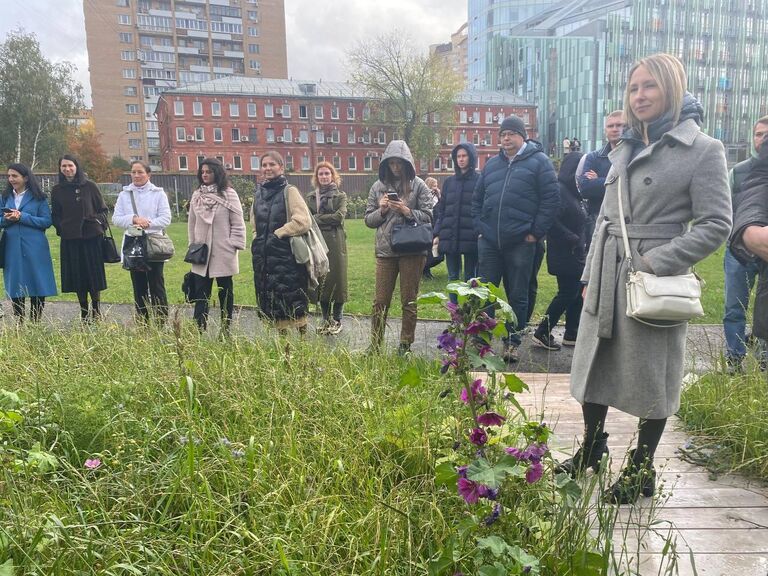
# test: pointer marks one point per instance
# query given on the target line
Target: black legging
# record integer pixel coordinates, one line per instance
(82, 298)
(36, 304)
(202, 291)
(649, 431)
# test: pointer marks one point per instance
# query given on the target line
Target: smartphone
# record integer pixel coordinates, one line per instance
(7, 210)
(393, 196)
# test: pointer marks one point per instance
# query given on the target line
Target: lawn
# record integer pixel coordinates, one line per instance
(362, 265)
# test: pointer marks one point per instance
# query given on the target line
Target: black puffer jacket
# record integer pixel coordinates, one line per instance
(281, 283)
(517, 197)
(567, 239)
(454, 225)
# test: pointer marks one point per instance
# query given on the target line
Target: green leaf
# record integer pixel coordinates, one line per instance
(444, 561)
(9, 399)
(432, 298)
(514, 384)
(495, 570)
(512, 400)
(586, 563)
(445, 474)
(479, 291)
(42, 460)
(493, 475)
(410, 377)
(569, 489)
(494, 544)
(6, 568)
(525, 559)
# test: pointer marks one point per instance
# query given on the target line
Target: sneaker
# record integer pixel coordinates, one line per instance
(324, 328)
(569, 339)
(545, 341)
(510, 355)
(334, 327)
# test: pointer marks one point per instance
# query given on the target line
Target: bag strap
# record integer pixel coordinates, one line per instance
(624, 235)
(133, 203)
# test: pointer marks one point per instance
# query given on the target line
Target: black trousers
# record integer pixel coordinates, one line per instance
(149, 290)
(567, 301)
(36, 304)
(202, 290)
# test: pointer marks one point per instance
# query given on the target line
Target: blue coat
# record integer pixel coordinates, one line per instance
(593, 191)
(517, 197)
(28, 267)
(453, 214)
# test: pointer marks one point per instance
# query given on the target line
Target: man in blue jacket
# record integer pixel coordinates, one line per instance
(515, 202)
(591, 180)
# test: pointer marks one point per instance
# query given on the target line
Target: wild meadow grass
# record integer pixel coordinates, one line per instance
(163, 452)
(729, 416)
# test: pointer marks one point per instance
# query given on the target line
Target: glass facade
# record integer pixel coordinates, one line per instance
(574, 65)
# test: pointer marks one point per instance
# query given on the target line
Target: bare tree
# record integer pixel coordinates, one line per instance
(414, 92)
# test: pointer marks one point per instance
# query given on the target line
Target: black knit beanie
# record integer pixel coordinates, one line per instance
(514, 124)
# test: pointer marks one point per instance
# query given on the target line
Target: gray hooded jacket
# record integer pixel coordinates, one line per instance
(419, 200)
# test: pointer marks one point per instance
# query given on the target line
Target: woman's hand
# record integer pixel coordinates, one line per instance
(13, 216)
(383, 204)
(141, 222)
(400, 207)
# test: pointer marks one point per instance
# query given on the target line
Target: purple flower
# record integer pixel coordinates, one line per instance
(484, 350)
(462, 471)
(478, 436)
(483, 324)
(476, 389)
(534, 473)
(455, 312)
(469, 490)
(536, 452)
(492, 493)
(491, 419)
(473, 283)
(516, 452)
(495, 513)
(449, 342)
(92, 463)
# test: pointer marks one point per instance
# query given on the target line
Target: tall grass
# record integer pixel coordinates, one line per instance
(235, 457)
(729, 415)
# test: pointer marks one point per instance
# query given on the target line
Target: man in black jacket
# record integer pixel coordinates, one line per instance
(515, 202)
(749, 240)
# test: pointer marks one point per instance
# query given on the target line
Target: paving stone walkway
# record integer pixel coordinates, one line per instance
(721, 525)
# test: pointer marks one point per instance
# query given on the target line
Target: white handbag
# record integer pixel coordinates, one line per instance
(649, 297)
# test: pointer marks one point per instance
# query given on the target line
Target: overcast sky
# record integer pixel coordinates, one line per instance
(317, 39)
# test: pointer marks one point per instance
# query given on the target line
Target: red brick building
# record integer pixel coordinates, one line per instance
(237, 119)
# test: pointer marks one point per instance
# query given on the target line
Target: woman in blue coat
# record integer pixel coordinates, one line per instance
(27, 256)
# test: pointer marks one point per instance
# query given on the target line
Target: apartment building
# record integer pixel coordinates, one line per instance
(139, 48)
(238, 119)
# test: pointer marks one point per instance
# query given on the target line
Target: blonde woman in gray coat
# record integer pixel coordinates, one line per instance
(674, 186)
(216, 219)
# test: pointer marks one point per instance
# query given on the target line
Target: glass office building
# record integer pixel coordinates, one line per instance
(572, 61)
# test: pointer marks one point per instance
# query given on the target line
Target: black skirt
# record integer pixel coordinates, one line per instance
(82, 265)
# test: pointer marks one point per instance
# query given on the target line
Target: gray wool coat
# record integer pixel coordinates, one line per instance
(218, 221)
(678, 210)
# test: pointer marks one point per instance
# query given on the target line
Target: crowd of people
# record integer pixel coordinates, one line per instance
(659, 184)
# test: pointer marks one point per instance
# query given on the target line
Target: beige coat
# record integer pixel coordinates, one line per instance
(678, 211)
(217, 221)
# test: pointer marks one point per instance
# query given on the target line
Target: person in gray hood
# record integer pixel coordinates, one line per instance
(397, 197)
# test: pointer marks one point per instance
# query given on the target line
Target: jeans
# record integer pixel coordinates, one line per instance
(513, 266)
(739, 280)
(453, 263)
(533, 286)
(567, 300)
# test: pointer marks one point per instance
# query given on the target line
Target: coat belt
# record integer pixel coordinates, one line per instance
(607, 253)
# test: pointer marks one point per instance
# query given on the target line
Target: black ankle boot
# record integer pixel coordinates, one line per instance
(588, 456)
(638, 477)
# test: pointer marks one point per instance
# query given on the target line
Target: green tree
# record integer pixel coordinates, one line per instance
(414, 92)
(36, 98)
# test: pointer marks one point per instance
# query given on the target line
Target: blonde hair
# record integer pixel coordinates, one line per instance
(334, 173)
(670, 75)
(431, 182)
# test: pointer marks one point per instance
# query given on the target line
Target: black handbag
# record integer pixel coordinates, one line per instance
(411, 237)
(135, 250)
(197, 253)
(109, 252)
(188, 287)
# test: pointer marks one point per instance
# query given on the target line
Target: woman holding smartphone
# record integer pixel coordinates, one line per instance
(397, 197)
(27, 256)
